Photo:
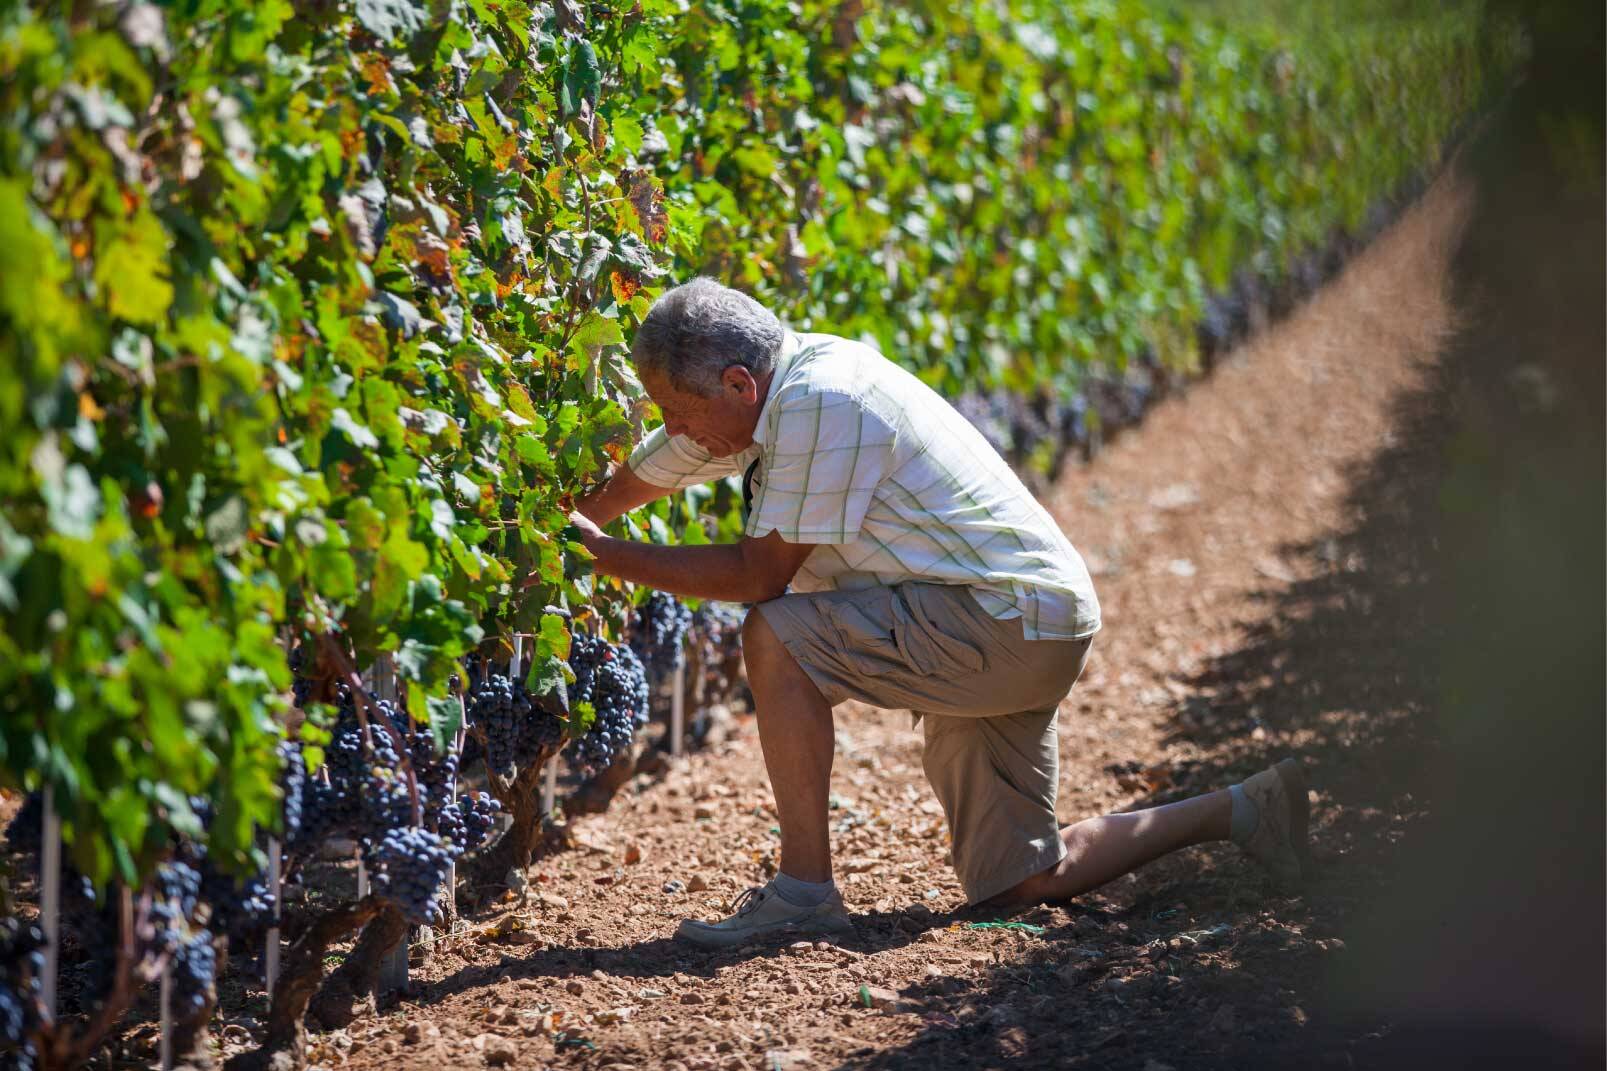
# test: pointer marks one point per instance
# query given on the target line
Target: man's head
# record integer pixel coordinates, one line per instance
(705, 353)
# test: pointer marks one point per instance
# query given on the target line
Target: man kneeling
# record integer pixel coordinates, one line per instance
(894, 558)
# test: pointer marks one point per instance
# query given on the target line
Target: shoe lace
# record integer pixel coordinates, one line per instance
(749, 901)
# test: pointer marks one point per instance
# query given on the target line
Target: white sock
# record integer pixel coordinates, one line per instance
(803, 893)
(1245, 815)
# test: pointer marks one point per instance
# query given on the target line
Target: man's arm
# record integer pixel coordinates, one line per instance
(751, 570)
(623, 492)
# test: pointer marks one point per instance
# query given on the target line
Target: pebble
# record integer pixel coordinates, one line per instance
(575, 986)
(875, 996)
(552, 901)
(674, 885)
(703, 810)
(499, 1052)
(691, 998)
(697, 883)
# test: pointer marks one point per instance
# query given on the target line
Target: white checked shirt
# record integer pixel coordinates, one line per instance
(859, 456)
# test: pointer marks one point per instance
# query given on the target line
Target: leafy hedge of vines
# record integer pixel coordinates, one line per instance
(312, 312)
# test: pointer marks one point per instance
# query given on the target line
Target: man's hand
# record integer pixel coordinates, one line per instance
(589, 532)
(588, 537)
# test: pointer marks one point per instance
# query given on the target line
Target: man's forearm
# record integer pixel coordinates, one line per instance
(709, 572)
(621, 493)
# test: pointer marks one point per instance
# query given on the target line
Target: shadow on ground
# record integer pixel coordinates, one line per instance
(1441, 672)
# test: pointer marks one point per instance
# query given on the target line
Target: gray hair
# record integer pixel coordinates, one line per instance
(696, 331)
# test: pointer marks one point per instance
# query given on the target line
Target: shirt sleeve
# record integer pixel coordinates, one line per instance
(823, 461)
(674, 461)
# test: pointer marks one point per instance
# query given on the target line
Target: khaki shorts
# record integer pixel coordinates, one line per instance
(987, 698)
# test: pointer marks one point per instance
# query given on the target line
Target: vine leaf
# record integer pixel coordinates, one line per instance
(132, 270)
(390, 19)
(582, 80)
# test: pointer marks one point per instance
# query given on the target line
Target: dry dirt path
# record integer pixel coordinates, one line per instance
(1248, 614)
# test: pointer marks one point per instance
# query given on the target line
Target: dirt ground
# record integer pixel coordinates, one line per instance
(1250, 613)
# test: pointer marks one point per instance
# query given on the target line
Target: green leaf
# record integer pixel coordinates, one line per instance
(627, 132)
(226, 526)
(446, 716)
(358, 434)
(548, 675)
(597, 330)
(582, 77)
(332, 572)
(392, 19)
(553, 637)
(132, 270)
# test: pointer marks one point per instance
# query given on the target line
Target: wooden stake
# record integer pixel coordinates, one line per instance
(270, 955)
(166, 1048)
(50, 897)
(678, 709)
(393, 967)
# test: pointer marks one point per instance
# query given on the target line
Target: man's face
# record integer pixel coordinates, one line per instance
(723, 425)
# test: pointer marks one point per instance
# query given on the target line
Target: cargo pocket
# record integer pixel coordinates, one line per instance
(927, 647)
(894, 637)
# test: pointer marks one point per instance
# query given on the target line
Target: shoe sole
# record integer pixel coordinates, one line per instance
(1293, 779)
(731, 939)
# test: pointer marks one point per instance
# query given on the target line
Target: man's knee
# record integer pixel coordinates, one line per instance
(758, 638)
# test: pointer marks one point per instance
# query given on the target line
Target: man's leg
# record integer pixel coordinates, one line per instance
(1265, 815)
(795, 731)
(1102, 849)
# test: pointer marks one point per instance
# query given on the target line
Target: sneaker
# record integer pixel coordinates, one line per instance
(1278, 841)
(761, 912)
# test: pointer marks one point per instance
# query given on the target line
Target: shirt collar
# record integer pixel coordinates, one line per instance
(790, 345)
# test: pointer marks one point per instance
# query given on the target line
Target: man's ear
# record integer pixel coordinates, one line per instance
(740, 382)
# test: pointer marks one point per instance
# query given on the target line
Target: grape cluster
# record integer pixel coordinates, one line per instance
(242, 908)
(611, 679)
(301, 688)
(293, 784)
(468, 821)
(408, 866)
(516, 729)
(21, 963)
(498, 706)
(659, 635)
(717, 626)
(717, 637)
(175, 892)
(362, 793)
(195, 965)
